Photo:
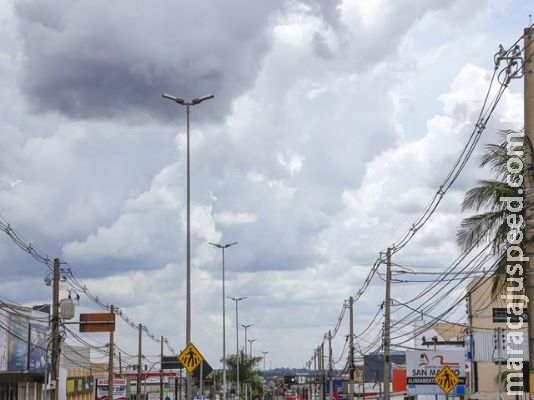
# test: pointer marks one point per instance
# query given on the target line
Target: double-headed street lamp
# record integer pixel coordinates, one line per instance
(223, 247)
(187, 105)
(246, 326)
(237, 300)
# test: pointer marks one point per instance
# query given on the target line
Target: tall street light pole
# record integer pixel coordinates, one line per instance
(245, 351)
(237, 300)
(188, 105)
(264, 354)
(223, 247)
(246, 326)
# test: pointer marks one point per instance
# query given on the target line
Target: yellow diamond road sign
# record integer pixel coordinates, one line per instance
(446, 379)
(191, 358)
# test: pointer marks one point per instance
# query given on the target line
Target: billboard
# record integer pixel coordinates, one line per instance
(120, 387)
(17, 356)
(22, 344)
(4, 341)
(38, 344)
(436, 372)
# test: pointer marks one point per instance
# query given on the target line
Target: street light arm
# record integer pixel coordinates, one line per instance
(173, 98)
(229, 244)
(201, 99)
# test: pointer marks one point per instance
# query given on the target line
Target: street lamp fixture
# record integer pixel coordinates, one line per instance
(187, 104)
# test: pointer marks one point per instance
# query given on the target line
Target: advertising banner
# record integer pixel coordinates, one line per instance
(119, 389)
(4, 341)
(39, 335)
(436, 372)
(17, 357)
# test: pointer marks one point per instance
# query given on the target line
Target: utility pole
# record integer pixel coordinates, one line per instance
(528, 187)
(321, 363)
(139, 361)
(471, 347)
(120, 363)
(56, 340)
(498, 343)
(315, 373)
(161, 370)
(387, 363)
(351, 348)
(111, 355)
(330, 364)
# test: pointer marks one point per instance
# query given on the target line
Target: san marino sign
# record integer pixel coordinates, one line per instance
(436, 372)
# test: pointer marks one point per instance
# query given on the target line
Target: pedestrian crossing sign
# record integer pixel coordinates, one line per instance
(190, 358)
(446, 379)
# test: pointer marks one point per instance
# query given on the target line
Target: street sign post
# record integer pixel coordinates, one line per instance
(436, 372)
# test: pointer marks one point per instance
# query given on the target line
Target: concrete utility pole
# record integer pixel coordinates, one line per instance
(529, 190)
(56, 339)
(321, 363)
(111, 355)
(330, 366)
(351, 349)
(387, 363)
(139, 361)
(315, 373)
(161, 370)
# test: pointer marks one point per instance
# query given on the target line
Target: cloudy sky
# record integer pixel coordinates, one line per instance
(332, 125)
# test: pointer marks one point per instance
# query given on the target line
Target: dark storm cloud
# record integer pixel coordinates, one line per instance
(100, 59)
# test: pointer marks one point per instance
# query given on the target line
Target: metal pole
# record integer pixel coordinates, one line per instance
(351, 348)
(237, 300)
(188, 300)
(245, 357)
(110, 366)
(138, 392)
(237, 346)
(120, 363)
(161, 371)
(387, 366)
(201, 380)
(224, 329)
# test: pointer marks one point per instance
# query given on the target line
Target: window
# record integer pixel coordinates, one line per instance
(501, 315)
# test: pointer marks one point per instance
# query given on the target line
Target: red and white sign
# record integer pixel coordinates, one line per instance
(119, 389)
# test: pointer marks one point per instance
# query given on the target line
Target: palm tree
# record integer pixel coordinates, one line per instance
(247, 371)
(488, 225)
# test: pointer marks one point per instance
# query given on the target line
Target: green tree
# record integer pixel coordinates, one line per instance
(488, 224)
(247, 372)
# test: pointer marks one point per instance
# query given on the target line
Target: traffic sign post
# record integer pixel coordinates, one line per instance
(191, 358)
